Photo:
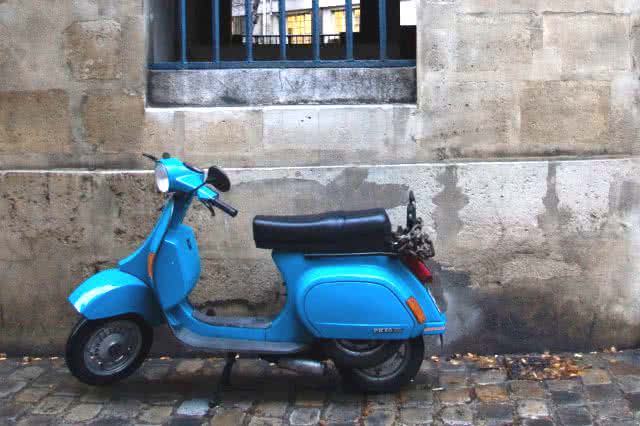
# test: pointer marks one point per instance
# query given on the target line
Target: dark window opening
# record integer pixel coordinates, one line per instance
(192, 34)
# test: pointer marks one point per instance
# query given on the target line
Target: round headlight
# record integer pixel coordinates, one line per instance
(162, 178)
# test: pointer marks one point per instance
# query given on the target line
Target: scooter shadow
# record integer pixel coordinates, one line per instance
(166, 381)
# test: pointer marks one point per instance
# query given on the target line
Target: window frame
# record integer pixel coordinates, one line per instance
(283, 62)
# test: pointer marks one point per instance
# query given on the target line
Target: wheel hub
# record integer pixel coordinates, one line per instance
(113, 347)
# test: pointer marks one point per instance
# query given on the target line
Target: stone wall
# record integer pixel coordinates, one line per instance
(531, 254)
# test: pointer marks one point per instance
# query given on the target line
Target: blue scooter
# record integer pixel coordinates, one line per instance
(356, 293)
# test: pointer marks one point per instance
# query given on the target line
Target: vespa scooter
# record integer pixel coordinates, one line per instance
(356, 293)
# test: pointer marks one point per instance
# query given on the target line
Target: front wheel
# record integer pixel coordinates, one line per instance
(393, 373)
(101, 352)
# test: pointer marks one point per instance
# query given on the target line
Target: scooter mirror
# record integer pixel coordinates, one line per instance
(218, 179)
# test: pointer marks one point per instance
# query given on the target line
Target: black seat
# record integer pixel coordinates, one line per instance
(334, 232)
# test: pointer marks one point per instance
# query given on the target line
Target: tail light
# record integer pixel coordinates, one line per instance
(419, 269)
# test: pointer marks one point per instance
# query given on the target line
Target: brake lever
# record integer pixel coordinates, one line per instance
(210, 208)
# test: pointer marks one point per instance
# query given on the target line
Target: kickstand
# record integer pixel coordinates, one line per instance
(441, 343)
(225, 380)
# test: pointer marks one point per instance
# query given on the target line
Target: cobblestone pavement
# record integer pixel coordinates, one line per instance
(458, 392)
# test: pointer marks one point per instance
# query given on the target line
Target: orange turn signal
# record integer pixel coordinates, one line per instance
(150, 259)
(413, 304)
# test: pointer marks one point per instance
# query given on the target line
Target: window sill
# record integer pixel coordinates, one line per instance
(291, 86)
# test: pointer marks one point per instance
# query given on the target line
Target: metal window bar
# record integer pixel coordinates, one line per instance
(183, 31)
(315, 28)
(248, 28)
(282, 15)
(382, 21)
(215, 24)
(316, 40)
(348, 6)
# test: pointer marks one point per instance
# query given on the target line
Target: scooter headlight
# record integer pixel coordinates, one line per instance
(162, 178)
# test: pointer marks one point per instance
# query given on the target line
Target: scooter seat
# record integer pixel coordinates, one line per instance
(332, 232)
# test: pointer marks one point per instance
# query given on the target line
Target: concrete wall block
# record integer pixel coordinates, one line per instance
(624, 125)
(235, 132)
(288, 86)
(495, 42)
(582, 6)
(589, 44)
(34, 122)
(498, 6)
(635, 44)
(163, 132)
(567, 113)
(539, 6)
(31, 39)
(114, 122)
(467, 115)
(93, 50)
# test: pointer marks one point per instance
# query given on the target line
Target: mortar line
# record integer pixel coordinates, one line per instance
(336, 167)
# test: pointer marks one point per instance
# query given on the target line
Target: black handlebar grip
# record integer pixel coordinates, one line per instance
(225, 207)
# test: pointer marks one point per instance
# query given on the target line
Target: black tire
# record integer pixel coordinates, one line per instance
(83, 332)
(407, 370)
(345, 354)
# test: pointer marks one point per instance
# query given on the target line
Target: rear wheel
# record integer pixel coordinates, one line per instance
(101, 352)
(391, 374)
(360, 353)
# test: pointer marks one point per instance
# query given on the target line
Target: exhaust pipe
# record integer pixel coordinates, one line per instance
(305, 366)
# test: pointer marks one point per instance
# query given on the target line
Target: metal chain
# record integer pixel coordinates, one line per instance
(413, 242)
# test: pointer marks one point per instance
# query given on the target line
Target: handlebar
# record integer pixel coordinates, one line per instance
(224, 207)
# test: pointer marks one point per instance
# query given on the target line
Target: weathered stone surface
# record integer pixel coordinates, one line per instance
(531, 408)
(34, 122)
(8, 388)
(380, 418)
(304, 416)
(271, 409)
(53, 405)
(494, 414)
(457, 415)
(491, 393)
(83, 412)
(573, 111)
(193, 407)
(494, 42)
(113, 123)
(574, 416)
(588, 43)
(416, 416)
(32, 395)
(189, 366)
(228, 417)
(455, 396)
(282, 86)
(595, 376)
(93, 49)
(156, 414)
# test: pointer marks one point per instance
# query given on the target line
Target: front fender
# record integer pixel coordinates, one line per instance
(113, 292)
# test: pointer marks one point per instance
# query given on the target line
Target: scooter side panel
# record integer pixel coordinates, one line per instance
(302, 273)
(112, 293)
(357, 310)
(177, 267)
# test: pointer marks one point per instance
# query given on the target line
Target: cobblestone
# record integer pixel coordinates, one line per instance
(304, 416)
(454, 396)
(83, 412)
(494, 414)
(380, 418)
(531, 408)
(491, 393)
(178, 392)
